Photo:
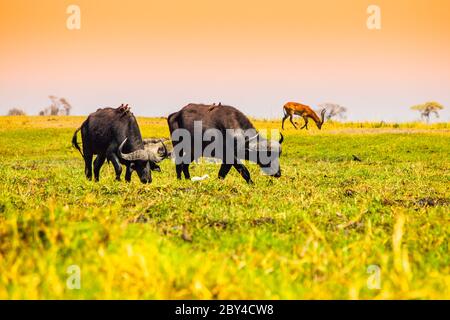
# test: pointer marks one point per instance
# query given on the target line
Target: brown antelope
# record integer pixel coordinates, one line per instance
(293, 108)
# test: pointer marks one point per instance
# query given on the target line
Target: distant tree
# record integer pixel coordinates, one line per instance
(58, 107)
(426, 109)
(334, 110)
(66, 106)
(16, 112)
(54, 107)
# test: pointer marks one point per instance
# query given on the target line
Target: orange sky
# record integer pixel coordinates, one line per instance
(159, 55)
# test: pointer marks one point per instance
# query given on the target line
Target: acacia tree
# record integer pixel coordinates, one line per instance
(59, 106)
(428, 108)
(16, 112)
(334, 110)
(65, 105)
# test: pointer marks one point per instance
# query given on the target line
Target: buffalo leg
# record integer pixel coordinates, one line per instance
(187, 176)
(88, 165)
(97, 165)
(117, 166)
(291, 119)
(243, 171)
(179, 169)
(128, 174)
(224, 169)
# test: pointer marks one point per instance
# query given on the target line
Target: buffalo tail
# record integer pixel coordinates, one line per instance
(75, 142)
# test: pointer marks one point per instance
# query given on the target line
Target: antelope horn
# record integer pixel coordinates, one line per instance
(132, 156)
(322, 114)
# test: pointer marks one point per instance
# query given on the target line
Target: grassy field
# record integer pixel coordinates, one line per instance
(315, 233)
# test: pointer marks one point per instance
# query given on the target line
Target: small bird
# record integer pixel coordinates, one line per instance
(185, 235)
(355, 158)
(213, 106)
(200, 178)
(123, 109)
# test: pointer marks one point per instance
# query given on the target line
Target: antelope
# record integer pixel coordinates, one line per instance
(293, 108)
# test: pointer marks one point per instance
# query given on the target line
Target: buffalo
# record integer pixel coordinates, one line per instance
(196, 126)
(113, 134)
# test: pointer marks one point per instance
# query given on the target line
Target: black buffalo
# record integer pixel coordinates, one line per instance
(229, 124)
(114, 134)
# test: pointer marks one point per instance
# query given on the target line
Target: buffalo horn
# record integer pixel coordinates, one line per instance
(132, 156)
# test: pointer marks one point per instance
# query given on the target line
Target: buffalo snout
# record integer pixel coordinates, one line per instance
(145, 181)
(278, 174)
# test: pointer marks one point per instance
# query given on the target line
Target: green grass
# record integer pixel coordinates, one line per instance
(312, 234)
